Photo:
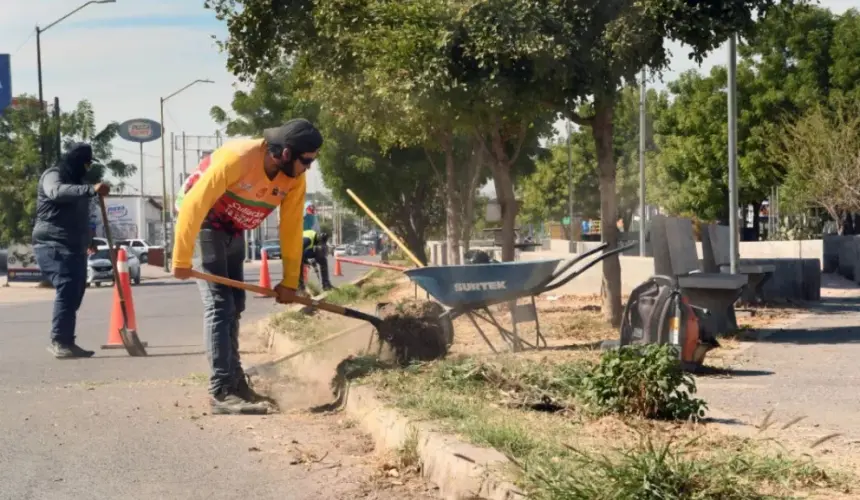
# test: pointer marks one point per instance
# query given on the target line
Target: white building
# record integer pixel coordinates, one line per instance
(130, 216)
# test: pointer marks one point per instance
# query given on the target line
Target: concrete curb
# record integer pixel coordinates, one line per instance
(460, 470)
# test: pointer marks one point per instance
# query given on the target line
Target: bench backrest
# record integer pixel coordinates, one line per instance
(718, 239)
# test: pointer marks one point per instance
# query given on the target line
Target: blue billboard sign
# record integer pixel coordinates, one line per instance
(5, 81)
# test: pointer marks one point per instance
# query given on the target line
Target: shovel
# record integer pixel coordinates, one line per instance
(129, 337)
(305, 301)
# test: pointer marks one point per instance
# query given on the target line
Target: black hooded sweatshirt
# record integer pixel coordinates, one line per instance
(63, 202)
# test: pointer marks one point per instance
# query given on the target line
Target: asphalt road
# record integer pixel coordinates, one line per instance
(117, 427)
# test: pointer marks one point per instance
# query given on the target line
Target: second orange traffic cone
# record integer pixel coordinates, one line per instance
(265, 279)
(337, 270)
(114, 340)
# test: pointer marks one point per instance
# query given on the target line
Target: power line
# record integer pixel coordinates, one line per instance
(29, 37)
(137, 153)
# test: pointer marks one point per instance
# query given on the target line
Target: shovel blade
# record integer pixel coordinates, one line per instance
(132, 342)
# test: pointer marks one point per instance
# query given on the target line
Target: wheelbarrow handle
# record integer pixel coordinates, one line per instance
(298, 299)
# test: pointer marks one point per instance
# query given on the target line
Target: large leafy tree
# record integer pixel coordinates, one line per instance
(545, 192)
(20, 165)
(397, 183)
(414, 73)
(821, 152)
(797, 59)
(501, 68)
(624, 36)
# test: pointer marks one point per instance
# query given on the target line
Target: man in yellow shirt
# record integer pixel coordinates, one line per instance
(233, 190)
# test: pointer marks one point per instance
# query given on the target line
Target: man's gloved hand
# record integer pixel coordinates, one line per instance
(285, 295)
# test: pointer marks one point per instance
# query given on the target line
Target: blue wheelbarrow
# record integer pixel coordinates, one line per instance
(472, 289)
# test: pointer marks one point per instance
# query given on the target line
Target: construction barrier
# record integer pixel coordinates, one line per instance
(360, 262)
(265, 278)
(114, 340)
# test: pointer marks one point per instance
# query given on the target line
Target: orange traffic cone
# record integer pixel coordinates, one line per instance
(265, 279)
(372, 251)
(337, 270)
(114, 340)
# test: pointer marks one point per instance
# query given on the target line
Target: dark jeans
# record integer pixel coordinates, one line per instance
(67, 272)
(317, 253)
(222, 254)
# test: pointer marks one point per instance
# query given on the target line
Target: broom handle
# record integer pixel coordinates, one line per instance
(385, 228)
(268, 292)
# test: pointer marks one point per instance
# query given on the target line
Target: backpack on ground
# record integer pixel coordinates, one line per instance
(657, 313)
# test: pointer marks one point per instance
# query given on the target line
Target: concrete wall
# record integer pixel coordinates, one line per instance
(802, 249)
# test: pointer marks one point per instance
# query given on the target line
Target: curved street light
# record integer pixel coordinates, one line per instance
(164, 169)
(39, 32)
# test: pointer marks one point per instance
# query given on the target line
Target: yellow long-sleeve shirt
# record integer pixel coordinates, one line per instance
(230, 191)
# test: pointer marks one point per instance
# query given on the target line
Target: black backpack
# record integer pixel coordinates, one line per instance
(650, 307)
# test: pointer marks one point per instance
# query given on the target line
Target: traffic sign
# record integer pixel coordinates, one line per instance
(5, 81)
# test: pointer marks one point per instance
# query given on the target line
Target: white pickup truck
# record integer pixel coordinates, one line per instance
(139, 247)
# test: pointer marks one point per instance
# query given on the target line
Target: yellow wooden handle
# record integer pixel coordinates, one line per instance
(384, 228)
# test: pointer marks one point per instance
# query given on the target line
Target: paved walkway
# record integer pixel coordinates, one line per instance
(810, 368)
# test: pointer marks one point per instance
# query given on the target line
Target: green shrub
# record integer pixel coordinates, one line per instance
(645, 381)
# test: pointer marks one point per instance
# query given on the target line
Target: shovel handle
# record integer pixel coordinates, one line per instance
(268, 292)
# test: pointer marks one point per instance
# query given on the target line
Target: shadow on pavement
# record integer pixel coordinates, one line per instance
(811, 336)
(157, 355)
(171, 282)
(710, 371)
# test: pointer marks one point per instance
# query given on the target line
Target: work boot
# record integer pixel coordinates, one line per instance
(245, 390)
(327, 287)
(68, 351)
(228, 402)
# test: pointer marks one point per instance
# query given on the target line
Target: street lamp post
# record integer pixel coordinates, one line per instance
(39, 32)
(164, 170)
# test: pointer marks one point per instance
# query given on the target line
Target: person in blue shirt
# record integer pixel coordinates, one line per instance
(311, 223)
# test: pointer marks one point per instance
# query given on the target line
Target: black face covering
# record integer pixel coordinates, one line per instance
(76, 161)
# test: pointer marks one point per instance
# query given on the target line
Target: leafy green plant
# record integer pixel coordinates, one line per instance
(645, 381)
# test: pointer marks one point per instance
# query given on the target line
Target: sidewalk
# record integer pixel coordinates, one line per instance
(810, 369)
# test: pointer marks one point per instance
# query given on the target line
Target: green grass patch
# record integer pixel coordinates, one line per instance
(343, 295)
(533, 412)
(296, 325)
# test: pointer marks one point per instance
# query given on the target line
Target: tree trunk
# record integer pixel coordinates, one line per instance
(467, 197)
(508, 203)
(416, 243)
(602, 133)
(504, 185)
(452, 214)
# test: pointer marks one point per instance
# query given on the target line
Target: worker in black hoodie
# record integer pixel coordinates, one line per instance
(61, 238)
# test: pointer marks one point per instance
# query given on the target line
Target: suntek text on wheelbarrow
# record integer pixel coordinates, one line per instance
(480, 285)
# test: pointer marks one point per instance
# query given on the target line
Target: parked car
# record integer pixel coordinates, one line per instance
(272, 248)
(341, 251)
(100, 242)
(99, 267)
(139, 247)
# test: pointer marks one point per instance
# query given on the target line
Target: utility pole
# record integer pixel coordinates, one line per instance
(642, 124)
(184, 153)
(571, 246)
(172, 176)
(733, 154)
